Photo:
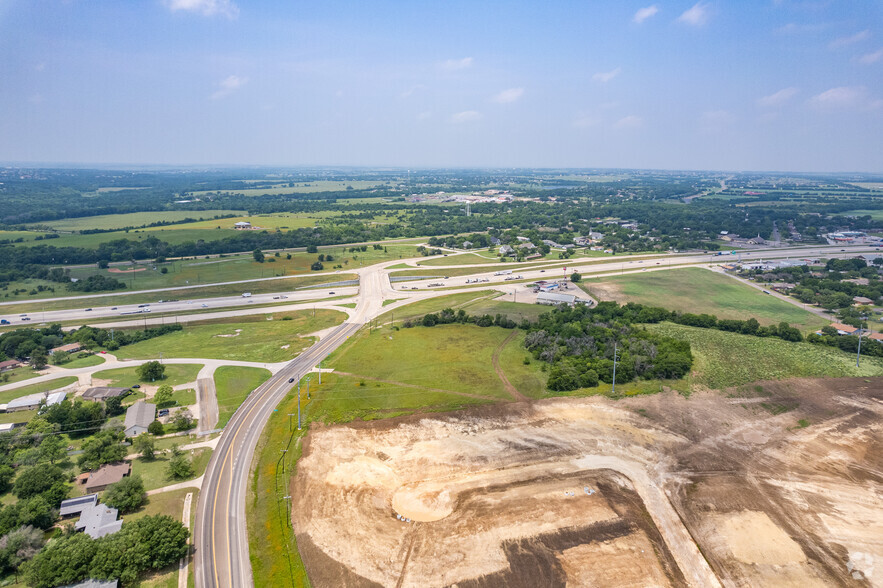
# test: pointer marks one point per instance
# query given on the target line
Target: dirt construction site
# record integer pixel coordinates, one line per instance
(779, 487)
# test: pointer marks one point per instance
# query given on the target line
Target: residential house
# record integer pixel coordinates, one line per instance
(845, 329)
(242, 225)
(106, 475)
(467, 244)
(9, 364)
(138, 418)
(69, 348)
(859, 300)
(75, 506)
(104, 392)
(506, 250)
(32, 401)
(99, 520)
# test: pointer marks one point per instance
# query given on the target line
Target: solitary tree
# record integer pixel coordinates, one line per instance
(152, 370)
(127, 495)
(576, 277)
(258, 255)
(163, 396)
(145, 445)
(179, 466)
(39, 359)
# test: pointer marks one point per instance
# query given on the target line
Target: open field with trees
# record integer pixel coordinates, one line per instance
(699, 291)
(135, 219)
(723, 360)
(267, 337)
(175, 375)
(46, 386)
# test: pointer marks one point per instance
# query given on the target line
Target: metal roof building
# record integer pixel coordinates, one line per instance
(73, 506)
(138, 418)
(98, 521)
(552, 299)
(32, 401)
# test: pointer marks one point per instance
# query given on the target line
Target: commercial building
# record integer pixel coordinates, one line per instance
(32, 401)
(553, 299)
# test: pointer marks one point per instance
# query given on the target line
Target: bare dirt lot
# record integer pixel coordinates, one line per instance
(781, 489)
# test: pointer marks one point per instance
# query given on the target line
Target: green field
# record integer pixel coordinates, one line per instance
(36, 388)
(19, 374)
(233, 385)
(88, 361)
(504, 305)
(133, 219)
(176, 374)
(453, 358)
(484, 257)
(300, 187)
(701, 291)
(874, 214)
(263, 338)
(154, 471)
(723, 359)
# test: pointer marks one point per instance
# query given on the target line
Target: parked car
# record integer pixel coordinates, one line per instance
(163, 412)
(136, 386)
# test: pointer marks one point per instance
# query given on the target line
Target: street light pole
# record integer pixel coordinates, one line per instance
(298, 407)
(613, 389)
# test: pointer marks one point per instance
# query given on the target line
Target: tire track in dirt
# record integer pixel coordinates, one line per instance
(513, 392)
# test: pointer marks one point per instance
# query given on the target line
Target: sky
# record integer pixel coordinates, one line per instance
(777, 85)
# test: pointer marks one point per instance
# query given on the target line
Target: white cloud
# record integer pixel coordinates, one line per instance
(777, 99)
(871, 58)
(629, 122)
(798, 28)
(465, 116)
(603, 77)
(455, 64)
(849, 39)
(695, 16)
(205, 7)
(644, 13)
(506, 96)
(229, 85)
(846, 98)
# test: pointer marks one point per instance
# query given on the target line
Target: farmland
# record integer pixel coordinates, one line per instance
(233, 385)
(134, 219)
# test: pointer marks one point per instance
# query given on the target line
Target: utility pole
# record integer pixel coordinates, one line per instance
(290, 414)
(858, 356)
(298, 407)
(613, 389)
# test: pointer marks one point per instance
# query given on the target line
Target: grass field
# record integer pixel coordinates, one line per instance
(466, 258)
(874, 214)
(36, 388)
(233, 384)
(418, 309)
(19, 374)
(455, 358)
(176, 374)
(154, 471)
(301, 187)
(723, 359)
(88, 361)
(504, 305)
(133, 219)
(701, 291)
(186, 397)
(266, 338)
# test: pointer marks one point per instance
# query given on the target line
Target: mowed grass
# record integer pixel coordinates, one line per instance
(134, 219)
(445, 357)
(702, 291)
(504, 305)
(175, 375)
(874, 214)
(418, 309)
(462, 259)
(36, 388)
(154, 471)
(80, 362)
(723, 359)
(19, 374)
(266, 339)
(300, 187)
(233, 384)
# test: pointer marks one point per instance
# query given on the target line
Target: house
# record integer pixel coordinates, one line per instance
(522, 239)
(74, 506)
(69, 348)
(551, 243)
(857, 281)
(106, 475)
(32, 401)
(6, 427)
(845, 329)
(242, 225)
(506, 250)
(582, 241)
(757, 240)
(467, 244)
(138, 418)
(876, 337)
(862, 300)
(594, 235)
(99, 520)
(104, 392)
(529, 246)
(9, 364)
(495, 241)
(553, 299)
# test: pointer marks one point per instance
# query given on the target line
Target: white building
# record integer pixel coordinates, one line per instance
(32, 401)
(138, 418)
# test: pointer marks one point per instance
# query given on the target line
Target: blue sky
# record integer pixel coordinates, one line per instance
(737, 85)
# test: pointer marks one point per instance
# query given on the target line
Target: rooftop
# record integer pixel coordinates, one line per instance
(141, 414)
(107, 474)
(78, 504)
(35, 399)
(102, 392)
(99, 520)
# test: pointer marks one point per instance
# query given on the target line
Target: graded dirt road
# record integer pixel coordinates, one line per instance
(783, 489)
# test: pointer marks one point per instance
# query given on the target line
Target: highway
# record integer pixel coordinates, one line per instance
(221, 534)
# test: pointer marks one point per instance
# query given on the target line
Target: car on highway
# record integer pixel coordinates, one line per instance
(205, 305)
(275, 298)
(331, 293)
(88, 310)
(291, 380)
(114, 308)
(27, 318)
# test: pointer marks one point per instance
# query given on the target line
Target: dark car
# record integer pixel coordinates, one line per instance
(331, 293)
(163, 412)
(291, 380)
(136, 386)
(88, 310)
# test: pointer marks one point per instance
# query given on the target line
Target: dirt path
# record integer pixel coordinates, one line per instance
(516, 395)
(402, 384)
(208, 404)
